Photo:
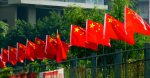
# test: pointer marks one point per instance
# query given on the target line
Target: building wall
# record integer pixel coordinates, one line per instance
(8, 14)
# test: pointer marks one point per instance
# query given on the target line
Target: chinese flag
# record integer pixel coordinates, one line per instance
(40, 49)
(66, 46)
(21, 52)
(12, 55)
(4, 53)
(78, 38)
(94, 33)
(135, 23)
(2, 63)
(114, 29)
(62, 49)
(50, 47)
(30, 50)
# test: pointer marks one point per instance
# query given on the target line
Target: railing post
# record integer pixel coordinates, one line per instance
(73, 67)
(118, 61)
(94, 65)
(104, 66)
(147, 62)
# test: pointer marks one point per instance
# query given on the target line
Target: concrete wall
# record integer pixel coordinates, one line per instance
(9, 14)
(32, 15)
(149, 11)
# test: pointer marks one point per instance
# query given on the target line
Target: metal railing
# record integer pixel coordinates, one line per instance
(119, 64)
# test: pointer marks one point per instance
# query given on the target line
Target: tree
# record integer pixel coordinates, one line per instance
(3, 32)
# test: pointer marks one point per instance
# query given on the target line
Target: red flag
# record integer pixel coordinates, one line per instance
(62, 49)
(33, 75)
(2, 63)
(114, 29)
(50, 47)
(94, 33)
(40, 49)
(4, 53)
(12, 55)
(78, 38)
(135, 23)
(21, 52)
(30, 50)
(66, 46)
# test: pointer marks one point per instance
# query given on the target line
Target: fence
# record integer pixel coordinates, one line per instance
(111, 65)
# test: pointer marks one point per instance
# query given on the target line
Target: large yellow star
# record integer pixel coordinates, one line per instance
(92, 25)
(109, 19)
(76, 29)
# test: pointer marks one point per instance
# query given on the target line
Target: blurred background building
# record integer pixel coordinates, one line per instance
(31, 10)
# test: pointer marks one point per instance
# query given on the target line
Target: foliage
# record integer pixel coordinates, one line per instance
(6, 72)
(62, 21)
(3, 32)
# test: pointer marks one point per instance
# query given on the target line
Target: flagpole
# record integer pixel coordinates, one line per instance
(46, 44)
(8, 53)
(1, 54)
(25, 54)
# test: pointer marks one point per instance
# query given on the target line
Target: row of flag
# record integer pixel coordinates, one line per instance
(52, 48)
(94, 33)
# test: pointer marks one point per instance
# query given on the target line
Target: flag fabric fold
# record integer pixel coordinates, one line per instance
(2, 63)
(94, 33)
(78, 38)
(51, 47)
(21, 55)
(62, 49)
(40, 49)
(30, 50)
(135, 23)
(4, 53)
(114, 29)
(12, 55)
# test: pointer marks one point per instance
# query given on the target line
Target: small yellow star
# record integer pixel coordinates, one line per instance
(76, 29)
(109, 19)
(92, 25)
(11, 49)
(50, 40)
(38, 42)
(20, 46)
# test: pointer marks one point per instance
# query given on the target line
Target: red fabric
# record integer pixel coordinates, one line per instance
(94, 33)
(12, 55)
(21, 52)
(50, 48)
(12, 76)
(33, 75)
(135, 23)
(30, 50)
(78, 38)
(2, 63)
(114, 29)
(4, 54)
(66, 46)
(61, 49)
(40, 49)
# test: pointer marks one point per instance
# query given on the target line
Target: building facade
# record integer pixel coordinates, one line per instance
(31, 10)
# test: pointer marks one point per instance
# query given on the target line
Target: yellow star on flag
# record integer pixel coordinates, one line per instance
(109, 20)
(38, 42)
(11, 49)
(76, 29)
(20, 46)
(92, 25)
